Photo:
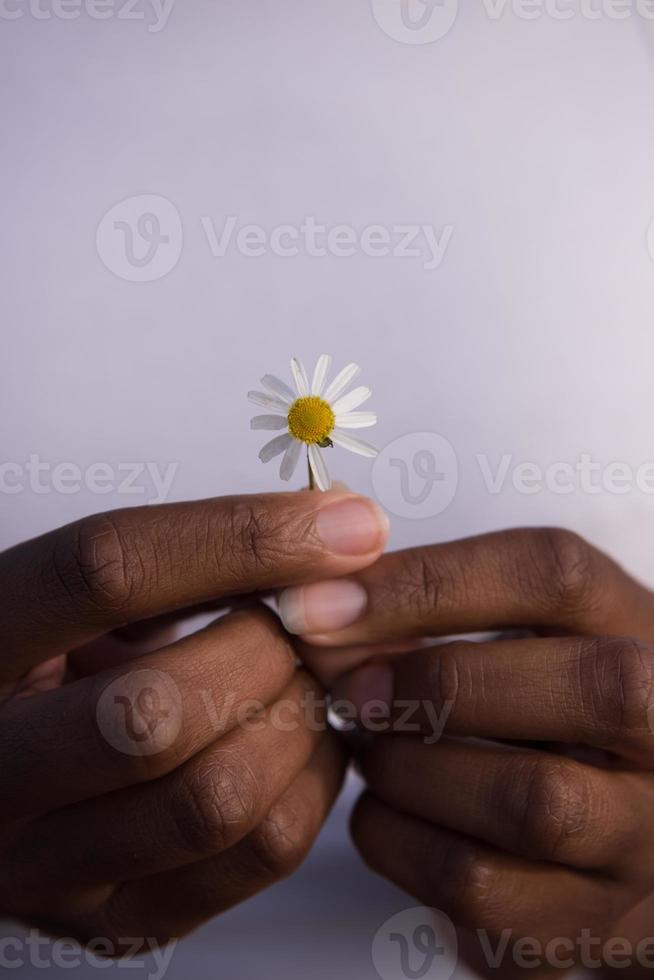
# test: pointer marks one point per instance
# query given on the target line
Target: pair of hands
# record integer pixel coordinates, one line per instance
(147, 785)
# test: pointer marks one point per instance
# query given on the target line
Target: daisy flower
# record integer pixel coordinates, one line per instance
(315, 415)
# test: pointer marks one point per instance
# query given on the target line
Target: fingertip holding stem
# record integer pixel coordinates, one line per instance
(323, 606)
(352, 526)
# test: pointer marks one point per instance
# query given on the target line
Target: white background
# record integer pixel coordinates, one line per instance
(533, 139)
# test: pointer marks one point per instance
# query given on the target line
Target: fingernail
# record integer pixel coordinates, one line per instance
(322, 607)
(365, 688)
(353, 526)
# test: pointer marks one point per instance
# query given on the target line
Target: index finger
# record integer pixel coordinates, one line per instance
(542, 578)
(136, 723)
(64, 589)
(592, 691)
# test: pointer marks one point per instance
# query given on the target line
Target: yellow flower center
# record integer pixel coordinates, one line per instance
(310, 419)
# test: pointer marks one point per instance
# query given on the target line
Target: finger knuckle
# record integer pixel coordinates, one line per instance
(282, 841)
(568, 569)
(466, 884)
(422, 582)
(99, 564)
(625, 677)
(248, 534)
(553, 807)
(451, 872)
(445, 669)
(139, 715)
(258, 635)
(215, 804)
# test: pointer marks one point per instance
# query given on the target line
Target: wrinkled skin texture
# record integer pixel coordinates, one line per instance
(136, 799)
(531, 809)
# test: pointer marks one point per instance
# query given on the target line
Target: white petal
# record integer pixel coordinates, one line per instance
(268, 401)
(269, 422)
(319, 468)
(276, 446)
(356, 420)
(352, 400)
(300, 377)
(354, 445)
(341, 381)
(319, 375)
(278, 387)
(289, 462)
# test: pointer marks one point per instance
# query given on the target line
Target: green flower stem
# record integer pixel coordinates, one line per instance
(312, 482)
